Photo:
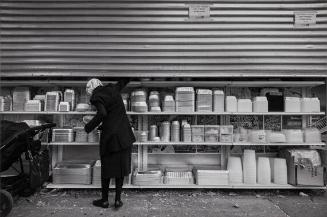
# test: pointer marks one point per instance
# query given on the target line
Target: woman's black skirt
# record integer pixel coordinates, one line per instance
(116, 164)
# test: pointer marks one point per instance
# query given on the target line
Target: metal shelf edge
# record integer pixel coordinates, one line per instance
(78, 186)
(194, 144)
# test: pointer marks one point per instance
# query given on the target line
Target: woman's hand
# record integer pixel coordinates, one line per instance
(87, 118)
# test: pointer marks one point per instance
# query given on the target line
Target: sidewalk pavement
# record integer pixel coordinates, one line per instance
(191, 203)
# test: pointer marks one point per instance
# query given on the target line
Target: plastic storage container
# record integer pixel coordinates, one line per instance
(249, 167)
(169, 104)
(197, 133)
(231, 104)
(292, 104)
(20, 96)
(293, 136)
(69, 96)
(260, 104)
(264, 171)
(33, 106)
(257, 136)
(275, 137)
(165, 131)
(234, 166)
(312, 135)
(154, 99)
(212, 177)
(175, 131)
(218, 101)
(211, 133)
(185, 99)
(187, 133)
(310, 105)
(80, 134)
(96, 175)
(64, 106)
(52, 101)
(244, 105)
(204, 100)
(5, 103)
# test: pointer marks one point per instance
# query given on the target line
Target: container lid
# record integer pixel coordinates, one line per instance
(175, 122)
(292, 98)
(154, 96)
(260, 98)
(218, 92)
(197, 126)
(211, 126)
(231, 97)
(184, 89)
(64, 103)
(245, 100)
(63, 130)
(169, 98)
(69, 91)
(34, 101)
(139, 104)
(154, 92)
(139, 93)
(204, 91)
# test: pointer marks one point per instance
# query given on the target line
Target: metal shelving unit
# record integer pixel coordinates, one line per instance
(143, 154)
(165, 113)
(167, 186)
(194, 143)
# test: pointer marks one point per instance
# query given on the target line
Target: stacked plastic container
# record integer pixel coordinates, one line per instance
(211, 133)
(20, 96)
(138, 101)
(226, 133)
(204, 100)
(218, 101)
(197, 133)
(185, 99)
(154, 101)
(168, 104)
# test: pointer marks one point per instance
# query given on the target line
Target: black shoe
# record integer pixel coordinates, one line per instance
(118, 204)
(101, 203)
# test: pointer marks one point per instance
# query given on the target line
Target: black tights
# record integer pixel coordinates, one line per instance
(105, 187)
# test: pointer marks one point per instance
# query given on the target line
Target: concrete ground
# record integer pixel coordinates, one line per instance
(191, 203)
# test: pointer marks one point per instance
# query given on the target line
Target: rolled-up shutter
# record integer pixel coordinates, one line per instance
(157, 38)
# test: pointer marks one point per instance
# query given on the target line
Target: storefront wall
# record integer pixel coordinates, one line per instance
(161, 38)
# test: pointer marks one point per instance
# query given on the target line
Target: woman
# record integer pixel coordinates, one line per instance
(116, 138)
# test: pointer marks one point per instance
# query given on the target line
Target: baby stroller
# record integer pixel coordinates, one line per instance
(18, 139)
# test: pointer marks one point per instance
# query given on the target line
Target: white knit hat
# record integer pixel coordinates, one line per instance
(92, 84)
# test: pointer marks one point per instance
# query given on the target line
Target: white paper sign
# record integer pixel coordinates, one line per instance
(199, 11)
(305, 18)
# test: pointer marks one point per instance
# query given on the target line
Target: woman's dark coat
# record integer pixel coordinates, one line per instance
(117, 136)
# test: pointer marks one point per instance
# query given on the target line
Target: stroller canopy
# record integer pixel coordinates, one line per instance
(13, 142)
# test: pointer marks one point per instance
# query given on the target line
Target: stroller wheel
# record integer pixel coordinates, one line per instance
(6, 203)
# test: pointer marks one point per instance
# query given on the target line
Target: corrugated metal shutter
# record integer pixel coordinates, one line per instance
(156, 38)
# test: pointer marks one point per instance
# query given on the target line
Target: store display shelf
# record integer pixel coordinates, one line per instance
(195, 143)
(81, 83)
(47, 113)
(277, 144)
(70, 143)
(226, 113)
(182, 143)
(163, 186)
(162, 113)
(232, 143)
